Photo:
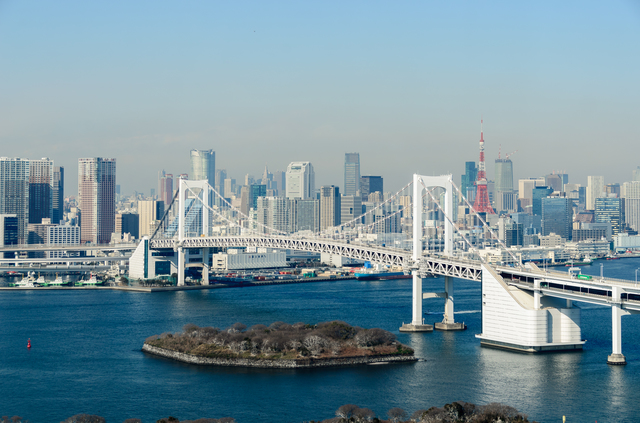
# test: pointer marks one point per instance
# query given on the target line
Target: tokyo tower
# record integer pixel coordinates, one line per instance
(482, 204)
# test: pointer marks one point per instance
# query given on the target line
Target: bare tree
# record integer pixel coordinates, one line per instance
(363, 415)
(345, 412)
(85, 418)
(236, 327)
(396, 414)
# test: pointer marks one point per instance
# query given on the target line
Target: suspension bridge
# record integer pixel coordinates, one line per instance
(524, 308)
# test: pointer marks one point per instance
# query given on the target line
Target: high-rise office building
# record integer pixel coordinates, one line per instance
(468, 181)
(306, 215)
(537, 194)
(40, 190)
(301, 181)
(165, 187)
(97, 199)
(351, 173)
(8, 232)
(504, 175)
(612, 190)
(275, 213)
(149, 211)
(128, 223)
(631, 195)
(370, 184)
(203, 166)
(611, 210)
(351, 207)
(557, 213)
(280, 182)
(14, 192)
(330, 206)
(256, 191)
(554, 181)
(505, 196)
(595, 189)
(58, 194)
(635, 175)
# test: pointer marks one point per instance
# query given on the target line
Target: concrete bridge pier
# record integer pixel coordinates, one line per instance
(417, 321)
(180, 266)
(616, 357)
(449, 323)
(205, 266)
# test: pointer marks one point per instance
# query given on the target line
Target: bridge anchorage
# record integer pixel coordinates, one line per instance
(524, 308)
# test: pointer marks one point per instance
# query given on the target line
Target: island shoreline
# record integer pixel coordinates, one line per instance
(299, 363)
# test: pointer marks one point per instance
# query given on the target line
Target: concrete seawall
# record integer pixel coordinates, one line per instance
(276, 364)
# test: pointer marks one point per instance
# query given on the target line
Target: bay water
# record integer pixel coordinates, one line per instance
(86, 356)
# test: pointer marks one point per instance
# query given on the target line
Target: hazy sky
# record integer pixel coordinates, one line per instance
(404, 83)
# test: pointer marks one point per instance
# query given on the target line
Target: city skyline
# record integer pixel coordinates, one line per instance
(274, 82)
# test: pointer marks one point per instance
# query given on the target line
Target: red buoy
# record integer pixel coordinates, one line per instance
(29, 343)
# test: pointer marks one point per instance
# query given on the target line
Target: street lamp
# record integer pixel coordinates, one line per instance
(601, 271)
(637, 276)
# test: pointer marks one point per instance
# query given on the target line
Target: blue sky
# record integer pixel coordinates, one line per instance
(268, 82)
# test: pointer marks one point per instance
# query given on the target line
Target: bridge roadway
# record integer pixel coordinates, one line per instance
(66, 247)
(558, 284)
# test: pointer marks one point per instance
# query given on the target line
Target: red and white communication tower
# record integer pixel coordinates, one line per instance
(482, 204)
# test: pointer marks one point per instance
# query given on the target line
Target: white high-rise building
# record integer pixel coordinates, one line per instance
(631, 194)
(595, 189)
(301, 182)
(14, 192)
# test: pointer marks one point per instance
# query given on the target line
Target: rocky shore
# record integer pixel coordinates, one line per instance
(298, 363)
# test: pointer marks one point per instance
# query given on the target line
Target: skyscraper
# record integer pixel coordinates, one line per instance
(370, 184)
(97, 199)
(537, 194)
(468, 180)
(504, 175)
(595, 189)
(40, 190)
(611, 210)
(14, 192)
(203, 166)
(301, 181)
(58, 194)
(505, 198)
(165, 191)
(557, 213)
(351, 173)
(330, 206)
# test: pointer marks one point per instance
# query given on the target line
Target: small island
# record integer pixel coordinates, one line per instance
(280, 345)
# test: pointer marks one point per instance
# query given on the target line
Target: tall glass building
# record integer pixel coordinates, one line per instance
(468, 180)
(203, 166)
(351, 173)
(557, 214)
(40, 190)
(370, 184)
(14, 192)
(611, 210)
(504, 175)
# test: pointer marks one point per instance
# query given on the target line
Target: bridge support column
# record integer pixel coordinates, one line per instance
(417, 321)
(180, 266)
(449, 323)
(616, 357)
(205, 266)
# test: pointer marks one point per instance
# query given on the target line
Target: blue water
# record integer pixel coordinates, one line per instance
(86, 357)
